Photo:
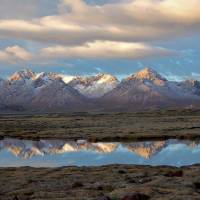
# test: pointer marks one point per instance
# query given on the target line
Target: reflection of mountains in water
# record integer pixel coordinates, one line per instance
(27, 149)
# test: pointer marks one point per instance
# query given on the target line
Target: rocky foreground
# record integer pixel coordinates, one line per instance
(116, 182)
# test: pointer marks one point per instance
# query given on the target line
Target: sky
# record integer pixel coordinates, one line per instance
(85, 37)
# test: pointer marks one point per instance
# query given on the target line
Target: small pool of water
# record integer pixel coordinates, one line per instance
(57, 153)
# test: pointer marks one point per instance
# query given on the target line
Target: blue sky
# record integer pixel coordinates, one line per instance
(87, 37)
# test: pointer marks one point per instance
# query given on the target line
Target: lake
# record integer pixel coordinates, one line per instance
(57, 153)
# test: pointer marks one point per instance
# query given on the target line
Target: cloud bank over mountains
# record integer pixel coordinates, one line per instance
(95, 50)
(117, 29)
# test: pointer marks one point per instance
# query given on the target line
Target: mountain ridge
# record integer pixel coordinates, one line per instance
(46, 91)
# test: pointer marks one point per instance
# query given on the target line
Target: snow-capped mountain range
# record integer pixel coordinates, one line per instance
(29, 91)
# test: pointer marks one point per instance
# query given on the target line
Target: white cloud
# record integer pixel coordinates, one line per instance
(106, 49)
(114, 30)
(18, 52)
(173, 77)
(131, 21)
(23, 9)
(15, 54)
(91, 50)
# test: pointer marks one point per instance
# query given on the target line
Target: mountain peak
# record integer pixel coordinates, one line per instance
(45, 78)
(106, 78)
(22, 75)
(149, 74)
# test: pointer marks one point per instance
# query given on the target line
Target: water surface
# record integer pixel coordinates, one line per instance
(56, 153)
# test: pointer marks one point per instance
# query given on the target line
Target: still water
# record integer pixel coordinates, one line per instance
(56, 153)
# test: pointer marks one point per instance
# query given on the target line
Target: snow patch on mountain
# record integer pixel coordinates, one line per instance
(94, 86)
(67, 78)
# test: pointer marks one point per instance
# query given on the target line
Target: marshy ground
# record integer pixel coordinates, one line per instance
(106, 182)
(182, 124)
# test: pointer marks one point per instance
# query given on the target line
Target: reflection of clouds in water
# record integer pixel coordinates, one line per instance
(196, 150)
(179, 163)
(99, 157)
(174, 147)
(122, 149)
(140, 161)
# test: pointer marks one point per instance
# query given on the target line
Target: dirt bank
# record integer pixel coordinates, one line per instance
(98, 183)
